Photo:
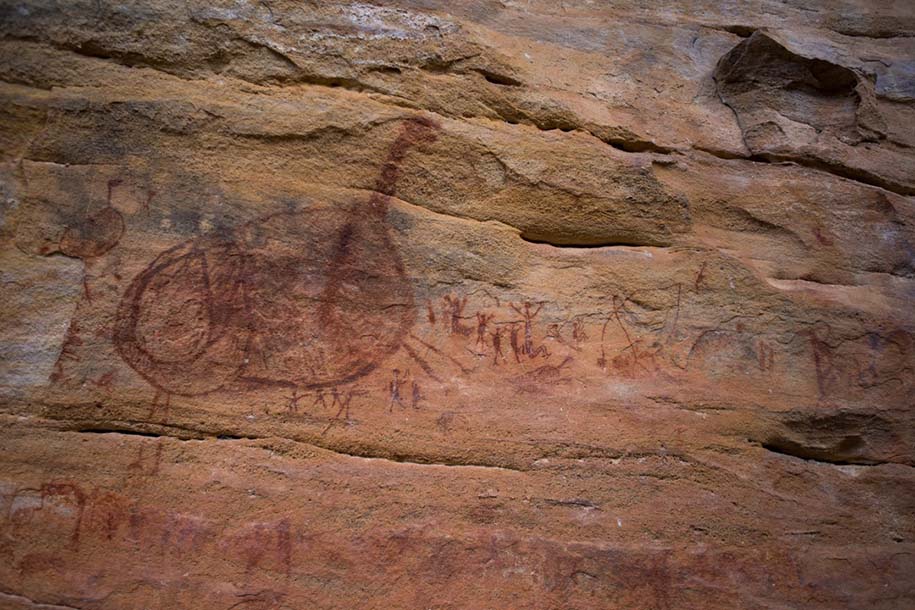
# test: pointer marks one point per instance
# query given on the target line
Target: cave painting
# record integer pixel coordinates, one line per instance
(303, 299)
(313, 300)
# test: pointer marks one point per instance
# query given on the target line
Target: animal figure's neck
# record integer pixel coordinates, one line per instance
(369, 226)
(415, 131)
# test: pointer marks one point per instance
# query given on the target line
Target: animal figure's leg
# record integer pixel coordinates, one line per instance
(160, 403)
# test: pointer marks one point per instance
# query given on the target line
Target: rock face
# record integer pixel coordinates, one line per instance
(422, 304)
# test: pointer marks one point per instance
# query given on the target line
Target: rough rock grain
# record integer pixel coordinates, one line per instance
(420, 304)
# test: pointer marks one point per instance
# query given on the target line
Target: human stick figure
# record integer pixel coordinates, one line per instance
(513, 340)
(483, 320)
(496, 336)
(455, 307)
(337, 399)
(528, 315)
(394, 388)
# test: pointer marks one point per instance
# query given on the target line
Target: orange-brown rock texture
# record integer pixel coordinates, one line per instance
(442, 305)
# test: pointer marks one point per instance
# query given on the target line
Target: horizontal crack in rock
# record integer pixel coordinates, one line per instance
(126, 432)
(357, 452)
(810, 454)
(22, 599)
(586, 245)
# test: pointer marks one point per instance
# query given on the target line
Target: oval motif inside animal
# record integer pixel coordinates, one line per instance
(181, 324)
(178, 328)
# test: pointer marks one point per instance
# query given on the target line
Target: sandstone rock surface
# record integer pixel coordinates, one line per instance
(484, 304)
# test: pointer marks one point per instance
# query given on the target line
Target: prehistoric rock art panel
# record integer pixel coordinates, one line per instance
(637, 318)
(304, 299)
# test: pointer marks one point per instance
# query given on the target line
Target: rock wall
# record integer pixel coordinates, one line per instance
(425, 304)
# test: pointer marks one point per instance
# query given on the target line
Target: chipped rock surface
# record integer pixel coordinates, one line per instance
(425, 304)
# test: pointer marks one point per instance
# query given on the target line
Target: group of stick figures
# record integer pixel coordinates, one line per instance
(398, 394)
(521, 345)
(404, 391)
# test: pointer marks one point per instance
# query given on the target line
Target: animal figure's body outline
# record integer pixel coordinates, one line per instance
(208, 359)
